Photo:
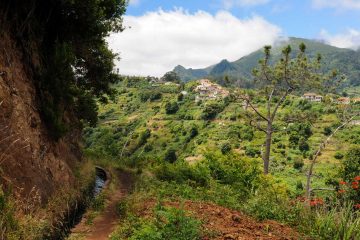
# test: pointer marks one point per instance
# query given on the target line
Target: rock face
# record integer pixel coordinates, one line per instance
(30, 160)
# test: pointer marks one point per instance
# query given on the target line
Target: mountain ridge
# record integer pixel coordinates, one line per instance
(240, 71)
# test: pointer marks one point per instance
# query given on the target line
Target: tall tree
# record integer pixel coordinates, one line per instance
(63, 42)
(277, 81)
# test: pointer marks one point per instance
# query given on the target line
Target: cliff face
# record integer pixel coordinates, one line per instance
(30, 160)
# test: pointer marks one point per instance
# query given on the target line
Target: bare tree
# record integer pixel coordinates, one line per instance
(277, 81)
(322, 146)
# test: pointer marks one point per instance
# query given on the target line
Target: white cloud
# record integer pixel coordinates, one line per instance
(349, 39)
(227, 4)
(158, 41)
(134, 2)
(338, 4)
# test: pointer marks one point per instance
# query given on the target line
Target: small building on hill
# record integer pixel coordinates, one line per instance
(313, 97)
(208, 90)
(343, 100)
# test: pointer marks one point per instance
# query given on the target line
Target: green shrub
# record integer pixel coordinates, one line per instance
(327, 131)
(294, 139)
(170, 224)
(303, 145)
(122, 208)
(247, 133)
(243, 175)
(225, 148)
(171, 107)
(339, 155)
(211, 110)
(155, 96)
(304, 105)
(271, 202)
(198, 175)
(298, 163)
(180, 97)
(98, 203)
(144, 136)
(193, 132)
(148, 148)
(170, 156)
(252, 152)
(150, 95)
(351, 164)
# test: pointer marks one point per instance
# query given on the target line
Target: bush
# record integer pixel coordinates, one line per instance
(327, 131)
(180, 97)
(304, 105)
(252, 152)
(150, 95)
(339, 155)
(144, 136)
(193, 132)
(170, 224)
(225, 148)
(303, 145)
(211, 110)
(122, 208)
(298, 163)
(351, 164)
(247, 133)
(170, 156)
(182, 172)
(155, 96)
(271, 202)
(148, 148)
(171, 107)
(294, 139)
(98, 203)
(243, 175)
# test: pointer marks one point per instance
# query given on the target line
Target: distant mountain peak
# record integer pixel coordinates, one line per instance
(346, 60)
(179, 67)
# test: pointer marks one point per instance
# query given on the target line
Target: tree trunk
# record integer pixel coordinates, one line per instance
(266, 155)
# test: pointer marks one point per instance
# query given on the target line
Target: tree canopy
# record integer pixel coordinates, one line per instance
(74, 65)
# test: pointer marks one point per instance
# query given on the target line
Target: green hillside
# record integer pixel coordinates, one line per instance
(206, 151)
(240, 72)
(142, 108)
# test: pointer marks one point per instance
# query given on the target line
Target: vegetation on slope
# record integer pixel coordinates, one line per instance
(186, 155)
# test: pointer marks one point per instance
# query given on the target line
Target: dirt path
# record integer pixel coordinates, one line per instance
(105, 223)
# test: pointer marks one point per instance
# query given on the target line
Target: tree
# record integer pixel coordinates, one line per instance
(73, 61)
(211, 110)
(277, 81)
(351, 155)
(171, 77)
(171, 107)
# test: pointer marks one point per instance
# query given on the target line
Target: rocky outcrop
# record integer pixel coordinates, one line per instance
(30, 160)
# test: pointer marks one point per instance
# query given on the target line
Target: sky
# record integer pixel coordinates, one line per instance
(161, 34)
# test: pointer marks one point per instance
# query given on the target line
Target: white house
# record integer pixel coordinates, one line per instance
(313, 97)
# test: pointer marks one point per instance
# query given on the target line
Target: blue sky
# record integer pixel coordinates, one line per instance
(300, 18)
(197, 33)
